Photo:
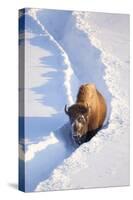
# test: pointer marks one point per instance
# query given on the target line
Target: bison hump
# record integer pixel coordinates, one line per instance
(86, 91)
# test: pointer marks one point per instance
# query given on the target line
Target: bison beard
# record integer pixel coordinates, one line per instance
(87, 137)
(87, 114)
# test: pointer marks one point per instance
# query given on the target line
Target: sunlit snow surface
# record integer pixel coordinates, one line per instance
(64, 49)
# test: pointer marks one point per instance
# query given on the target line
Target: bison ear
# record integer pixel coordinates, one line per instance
(66, 109)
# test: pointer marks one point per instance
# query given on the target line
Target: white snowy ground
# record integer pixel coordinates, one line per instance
(63, 50)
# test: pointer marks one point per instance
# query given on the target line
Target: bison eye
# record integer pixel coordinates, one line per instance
(80, 118)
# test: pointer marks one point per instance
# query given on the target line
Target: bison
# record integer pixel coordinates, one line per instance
(87, 115)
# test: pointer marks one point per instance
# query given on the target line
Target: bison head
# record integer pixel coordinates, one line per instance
(79, 119)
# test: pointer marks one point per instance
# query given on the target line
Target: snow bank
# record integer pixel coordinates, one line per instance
(35, 148)
(48, 81)
(99, 63)
(45, 60)
(68, 71)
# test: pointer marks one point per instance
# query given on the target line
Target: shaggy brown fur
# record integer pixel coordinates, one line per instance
(91, 105)
(89, 95)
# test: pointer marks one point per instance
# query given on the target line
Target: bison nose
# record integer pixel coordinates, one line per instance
(76, 136)
(77, 139)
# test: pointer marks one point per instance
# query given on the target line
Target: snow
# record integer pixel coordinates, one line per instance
(33, 148)
(65, 49)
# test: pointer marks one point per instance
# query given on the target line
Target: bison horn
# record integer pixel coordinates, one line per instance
(66, 109)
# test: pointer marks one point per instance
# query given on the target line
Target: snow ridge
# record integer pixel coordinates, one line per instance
(33, 148)
(113, 64)
(68, 71)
